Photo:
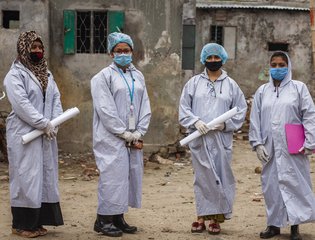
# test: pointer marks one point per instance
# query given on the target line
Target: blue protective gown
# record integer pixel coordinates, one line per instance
(211, 154)
(33, 167)
(286, 181)
(121, 169)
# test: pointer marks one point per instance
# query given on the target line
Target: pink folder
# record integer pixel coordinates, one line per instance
(295, 137)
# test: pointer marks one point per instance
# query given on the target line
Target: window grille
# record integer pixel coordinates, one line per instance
(91, 32)
(99, 32)
(85, 31)
(216, 34)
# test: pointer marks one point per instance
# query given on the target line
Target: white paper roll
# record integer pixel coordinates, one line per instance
(70, 113)
(225, 116)
(3, 96)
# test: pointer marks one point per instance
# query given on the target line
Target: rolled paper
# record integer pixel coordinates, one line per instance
(3, 96)
(70, 113)
(221, 119)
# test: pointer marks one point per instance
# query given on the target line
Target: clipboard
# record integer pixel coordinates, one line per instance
(295, 136)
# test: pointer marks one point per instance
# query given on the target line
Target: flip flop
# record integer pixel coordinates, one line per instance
(25, 234)
(197, 227)
(214, 228)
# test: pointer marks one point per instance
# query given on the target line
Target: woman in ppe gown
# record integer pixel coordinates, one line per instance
(205, 97)
(121, 115)
(33, 167)
(285, 178)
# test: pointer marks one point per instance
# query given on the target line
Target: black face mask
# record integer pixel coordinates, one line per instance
(36, 56)
(213, 66)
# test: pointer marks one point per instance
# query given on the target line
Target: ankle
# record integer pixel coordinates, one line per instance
(294, 226)
(213, 221)
(295, 229)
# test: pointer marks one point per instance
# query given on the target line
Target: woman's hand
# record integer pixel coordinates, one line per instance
(218, 127)
(306, 151)
(201, 127)
(48, 130)
(262, 154)
(126, 136)
(136, 136)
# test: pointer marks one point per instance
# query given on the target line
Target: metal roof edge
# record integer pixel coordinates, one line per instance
(269, 7)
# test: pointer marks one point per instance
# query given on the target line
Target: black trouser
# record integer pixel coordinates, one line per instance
(31, 218)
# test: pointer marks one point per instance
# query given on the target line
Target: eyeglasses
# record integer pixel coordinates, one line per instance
(212, 89)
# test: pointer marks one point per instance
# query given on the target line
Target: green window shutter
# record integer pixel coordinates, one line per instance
(116, 20)
(69, 31)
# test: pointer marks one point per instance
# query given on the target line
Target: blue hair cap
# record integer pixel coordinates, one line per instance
(213, 49)
(115, 38)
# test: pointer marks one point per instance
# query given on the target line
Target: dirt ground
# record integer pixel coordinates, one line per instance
(168, 201)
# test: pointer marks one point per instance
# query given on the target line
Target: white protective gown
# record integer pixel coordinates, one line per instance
(286, 181)
(33, 167)
(121, 169)
(214, 183)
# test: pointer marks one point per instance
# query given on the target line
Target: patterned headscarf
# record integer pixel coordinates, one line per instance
(39, 69)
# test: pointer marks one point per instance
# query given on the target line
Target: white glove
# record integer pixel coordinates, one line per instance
(126, 136)
(55, 131)
(136, 136)
(201, 127)
(48, 130)
(218, 127)
(306, 151)
(262, 153)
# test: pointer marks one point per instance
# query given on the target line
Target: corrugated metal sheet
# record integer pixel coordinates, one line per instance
(270, 7)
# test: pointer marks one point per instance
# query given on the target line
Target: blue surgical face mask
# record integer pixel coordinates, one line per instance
(278, 73)
(122, 59)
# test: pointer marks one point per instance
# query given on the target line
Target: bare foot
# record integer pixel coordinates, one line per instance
(214, 227)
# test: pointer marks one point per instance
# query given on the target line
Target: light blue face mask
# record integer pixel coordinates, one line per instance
(122, 59)
(278, 73)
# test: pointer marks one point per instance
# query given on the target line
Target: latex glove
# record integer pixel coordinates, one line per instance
(218, 127)
(262, 153)
(126, 136)
(201, 127)
(55, 131)
(136, 136)
(48, 130)
(306, 151)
